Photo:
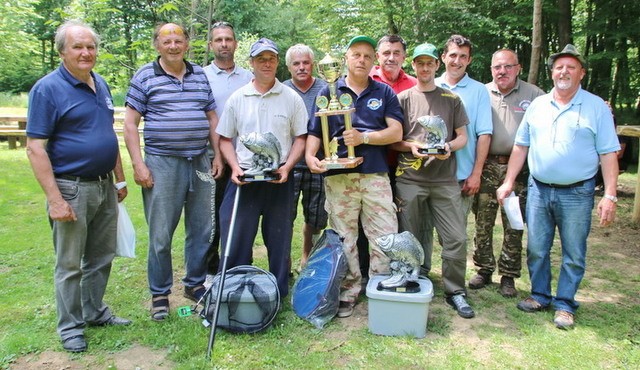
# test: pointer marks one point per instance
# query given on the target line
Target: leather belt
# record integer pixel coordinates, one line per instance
(501, 159)
(562, 186)
(104, 177)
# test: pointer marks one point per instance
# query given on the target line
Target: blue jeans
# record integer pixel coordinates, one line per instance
(84, 251)
(177, 185)
(570, 210)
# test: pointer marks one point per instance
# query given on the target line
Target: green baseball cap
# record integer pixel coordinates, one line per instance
(425, 49)
(363, 38)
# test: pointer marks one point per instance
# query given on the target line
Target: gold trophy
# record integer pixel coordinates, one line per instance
(329, 69)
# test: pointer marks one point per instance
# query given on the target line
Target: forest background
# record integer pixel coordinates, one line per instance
(603, 30)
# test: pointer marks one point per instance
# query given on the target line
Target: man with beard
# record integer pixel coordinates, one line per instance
(563, 136)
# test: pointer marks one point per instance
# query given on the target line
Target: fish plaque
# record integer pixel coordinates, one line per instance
(266, 156)
(329, 68)
(435, 135)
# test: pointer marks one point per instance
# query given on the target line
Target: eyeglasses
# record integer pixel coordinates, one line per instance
(507, 67)
(169, 30)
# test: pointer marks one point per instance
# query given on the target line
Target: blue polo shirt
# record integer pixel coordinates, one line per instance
(565, 142)
(374, 104)
(175, 119)
(477, 104)
(76, 121)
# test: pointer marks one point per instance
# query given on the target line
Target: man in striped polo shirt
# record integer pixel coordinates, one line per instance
(175, 99)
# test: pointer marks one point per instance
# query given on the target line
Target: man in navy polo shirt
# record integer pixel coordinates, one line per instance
(362, 192)
(175, 99)
(73, 149)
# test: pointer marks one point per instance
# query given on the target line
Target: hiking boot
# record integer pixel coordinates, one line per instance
(458, 303)
(75, 344)
(563, 319)
(345, 309)
(479, 281)
(508, 287)
(530, 305)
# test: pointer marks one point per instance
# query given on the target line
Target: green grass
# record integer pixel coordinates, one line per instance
(500, 337)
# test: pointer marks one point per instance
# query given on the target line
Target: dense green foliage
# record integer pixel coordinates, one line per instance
(604, 30)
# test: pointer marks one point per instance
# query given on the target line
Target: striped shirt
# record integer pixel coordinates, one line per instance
(175, 120)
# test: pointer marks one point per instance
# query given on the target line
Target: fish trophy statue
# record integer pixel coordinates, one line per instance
(406, 255)
(329, 68)
(435, 135)
(266, 156)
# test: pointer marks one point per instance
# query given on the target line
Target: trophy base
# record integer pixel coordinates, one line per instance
(267, 176)
(432, 151)
(410, 287)
(341, 163)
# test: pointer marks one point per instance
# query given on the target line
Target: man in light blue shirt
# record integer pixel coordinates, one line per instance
(225, 77)
(564, 135)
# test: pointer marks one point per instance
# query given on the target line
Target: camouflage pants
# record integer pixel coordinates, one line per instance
(485, 209)
(368, 197)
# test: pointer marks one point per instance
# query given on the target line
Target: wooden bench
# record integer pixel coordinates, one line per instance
(13, 128)
(633, 131)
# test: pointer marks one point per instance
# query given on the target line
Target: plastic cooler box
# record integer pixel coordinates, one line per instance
(397, 314)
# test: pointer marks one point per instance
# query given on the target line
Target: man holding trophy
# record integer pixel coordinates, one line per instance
(357, 118)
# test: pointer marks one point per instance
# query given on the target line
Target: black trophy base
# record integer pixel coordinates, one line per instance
(267, 176)
(432, 151)
(410, 287)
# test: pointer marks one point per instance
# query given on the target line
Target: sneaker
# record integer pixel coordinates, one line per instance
(508, 287)
(530, 305)
(563, 319)
(194, 293)
(75, 344)
(460, 304)
(345, 309)
(479, 281)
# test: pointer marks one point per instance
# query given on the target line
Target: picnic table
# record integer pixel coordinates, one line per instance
(635, 132)
(13, 127)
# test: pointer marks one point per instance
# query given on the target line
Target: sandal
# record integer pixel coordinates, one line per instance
(195, 293)
(159, 307)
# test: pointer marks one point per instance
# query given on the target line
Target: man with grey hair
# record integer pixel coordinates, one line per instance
(74, 155)
(300, 62)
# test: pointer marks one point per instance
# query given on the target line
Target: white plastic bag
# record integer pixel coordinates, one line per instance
(126, 243)
(511, 205)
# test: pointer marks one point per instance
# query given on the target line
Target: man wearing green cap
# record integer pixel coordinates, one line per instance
(364, 191)
(564, 135)
(427, 184)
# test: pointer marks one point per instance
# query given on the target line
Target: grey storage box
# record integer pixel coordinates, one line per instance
(397, 314)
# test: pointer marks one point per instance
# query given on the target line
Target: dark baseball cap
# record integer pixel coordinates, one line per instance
(569, 51)
(264, 44)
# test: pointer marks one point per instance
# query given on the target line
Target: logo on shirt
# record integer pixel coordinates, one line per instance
(109, 102)
(374, 104)
(524, 104)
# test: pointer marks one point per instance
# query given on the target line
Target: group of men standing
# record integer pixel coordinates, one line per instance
(193, 163)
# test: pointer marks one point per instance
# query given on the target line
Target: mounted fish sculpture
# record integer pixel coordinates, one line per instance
(266, 152)
(406, 254)
(435, 134)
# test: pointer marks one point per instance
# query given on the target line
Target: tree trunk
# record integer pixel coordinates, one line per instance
(536, 43)
(564, 23)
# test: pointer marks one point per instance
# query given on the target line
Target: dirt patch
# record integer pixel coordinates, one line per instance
(136, 357)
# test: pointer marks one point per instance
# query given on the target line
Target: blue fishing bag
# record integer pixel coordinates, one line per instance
(316, 292)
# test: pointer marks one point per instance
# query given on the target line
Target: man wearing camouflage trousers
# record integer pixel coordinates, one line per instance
(510, 98)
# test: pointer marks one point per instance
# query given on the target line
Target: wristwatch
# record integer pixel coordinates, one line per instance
(365, 138)
(612, 198)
